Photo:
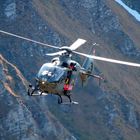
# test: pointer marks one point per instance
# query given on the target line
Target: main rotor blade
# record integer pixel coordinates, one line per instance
(109, 60)
(77, 44)
(56, 53)
(27, 39)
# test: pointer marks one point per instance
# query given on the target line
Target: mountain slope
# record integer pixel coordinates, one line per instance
(129, 25)
(108, 112)
(22, 117)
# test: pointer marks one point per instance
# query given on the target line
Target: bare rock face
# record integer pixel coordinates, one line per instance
(101, 115)
(28, 23)
(97, 16)
(21, 116)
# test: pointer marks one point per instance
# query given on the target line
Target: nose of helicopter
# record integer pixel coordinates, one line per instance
(45, 86)
(50, 73)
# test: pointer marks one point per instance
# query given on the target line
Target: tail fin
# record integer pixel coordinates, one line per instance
(88, 67)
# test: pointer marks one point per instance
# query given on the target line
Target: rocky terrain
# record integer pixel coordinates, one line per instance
(109, 112)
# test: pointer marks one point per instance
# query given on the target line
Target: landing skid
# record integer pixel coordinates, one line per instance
(31, 90)
(34, 91)
(60, 100)
(39, 94)
(70, 103)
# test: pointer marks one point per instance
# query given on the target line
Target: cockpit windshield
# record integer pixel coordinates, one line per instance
(50, 73)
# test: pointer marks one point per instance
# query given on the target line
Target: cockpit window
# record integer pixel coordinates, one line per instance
(50, 73)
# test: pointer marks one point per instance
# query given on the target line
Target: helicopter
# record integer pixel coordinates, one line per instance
(59, 76)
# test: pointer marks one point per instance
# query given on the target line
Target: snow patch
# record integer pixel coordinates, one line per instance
(131, 11)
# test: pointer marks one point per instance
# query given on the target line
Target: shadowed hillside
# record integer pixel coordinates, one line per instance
(109, 112)
(22, 117)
